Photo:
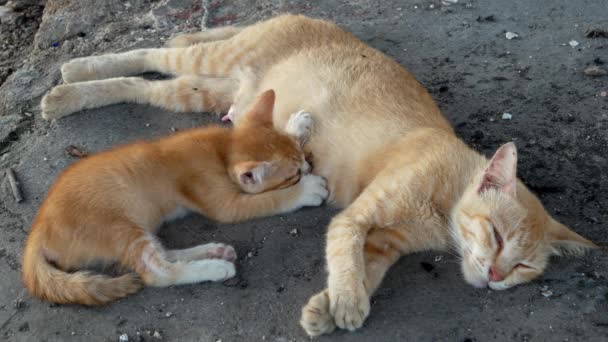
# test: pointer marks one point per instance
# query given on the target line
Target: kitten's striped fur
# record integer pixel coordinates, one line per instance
(107, 207)
(390, 157)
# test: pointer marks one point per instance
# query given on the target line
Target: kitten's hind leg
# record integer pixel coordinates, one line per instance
(147, 257)
(220, 33)
(206, 251)
(182, 94)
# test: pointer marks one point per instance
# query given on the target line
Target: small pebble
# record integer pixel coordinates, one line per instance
(438, 258)
(604, 93)
(147, 124)
(449, 2)
(169, 314)
(157, 335)
(123, 338)
(547, 293)
(573, 43)
(511, 35)
(250, 255)
(294, 232)
(595, 71)
(507, 116)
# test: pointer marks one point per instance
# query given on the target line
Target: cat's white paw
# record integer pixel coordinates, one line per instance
(60, 101)
(78, 70)
(349, 305)
(213, 269)
(300, 125)
(316, 319)
(219, 251)
(313, 191)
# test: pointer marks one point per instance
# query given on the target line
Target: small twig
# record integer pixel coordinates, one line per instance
(10, 174)
(205, 17)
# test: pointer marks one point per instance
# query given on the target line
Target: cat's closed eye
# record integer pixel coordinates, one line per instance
(498, 239)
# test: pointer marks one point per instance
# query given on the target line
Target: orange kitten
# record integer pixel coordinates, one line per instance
(107, 207)
(390, 157)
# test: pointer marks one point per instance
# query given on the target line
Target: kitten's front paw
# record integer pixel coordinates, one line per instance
(313, 191)
(349, 306)
(300, 125)
(316, 319)
(59, 102)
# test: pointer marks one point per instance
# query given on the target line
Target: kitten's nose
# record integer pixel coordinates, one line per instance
(494, 275)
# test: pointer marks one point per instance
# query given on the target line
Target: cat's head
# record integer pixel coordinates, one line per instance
(262, 158)
(502, 231)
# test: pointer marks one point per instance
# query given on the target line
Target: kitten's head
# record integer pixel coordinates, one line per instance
(262, 158)
(502, 231)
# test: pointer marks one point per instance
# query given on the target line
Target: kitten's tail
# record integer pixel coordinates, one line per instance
(45, 281)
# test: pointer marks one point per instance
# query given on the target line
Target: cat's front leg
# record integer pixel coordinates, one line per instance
(348, 299)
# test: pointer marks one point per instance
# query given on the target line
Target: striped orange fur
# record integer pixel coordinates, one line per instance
(389, 155)
(107, 207)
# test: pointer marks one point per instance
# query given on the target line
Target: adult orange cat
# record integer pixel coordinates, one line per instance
(390, 157)
(107, 207)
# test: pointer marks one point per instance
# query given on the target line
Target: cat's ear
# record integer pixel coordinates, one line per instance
(261, 111)
(565, 241)
(251, 173)
(501, 171)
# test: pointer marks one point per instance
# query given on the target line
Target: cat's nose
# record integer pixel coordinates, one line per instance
(494, 275)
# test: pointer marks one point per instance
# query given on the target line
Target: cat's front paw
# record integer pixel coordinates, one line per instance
(300, 125)
(313, 191)
(78, 70)
(349, 305)
(316, 319)
(59, 102)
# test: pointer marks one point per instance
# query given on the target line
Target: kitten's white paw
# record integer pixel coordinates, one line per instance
(78, 70)
(349, 305)
(313, 191)
(316, 319)
(219, 251)
(213, 269)
(60, 101)
(300, 125)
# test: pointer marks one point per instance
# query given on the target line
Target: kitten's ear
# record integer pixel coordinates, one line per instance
(261, 111)
(251, 172)
(563, 239)
(501, 172)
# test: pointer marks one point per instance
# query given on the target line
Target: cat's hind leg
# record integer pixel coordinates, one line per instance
(147, 257)
(220, 33)
(215, 59)
(182, 94)
(206, 251)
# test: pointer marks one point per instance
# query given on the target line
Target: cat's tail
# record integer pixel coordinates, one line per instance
(45, 281)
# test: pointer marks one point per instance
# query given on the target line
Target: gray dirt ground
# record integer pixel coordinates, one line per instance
(459, 52)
